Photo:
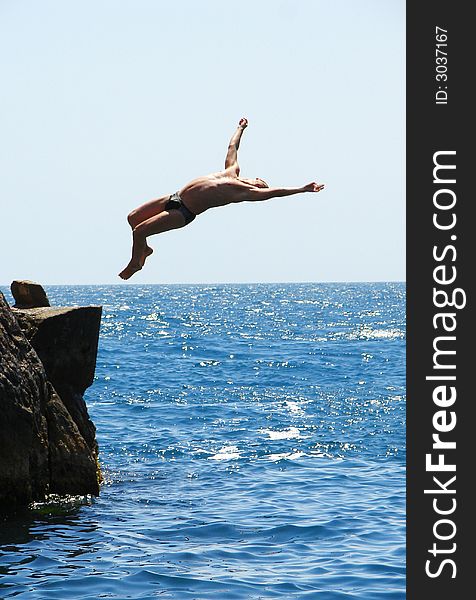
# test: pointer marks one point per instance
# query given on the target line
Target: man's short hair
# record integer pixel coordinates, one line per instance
(263, 181)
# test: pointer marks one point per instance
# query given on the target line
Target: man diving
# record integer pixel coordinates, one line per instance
(179, 209)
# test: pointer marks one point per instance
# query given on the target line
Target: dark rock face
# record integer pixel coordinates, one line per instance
(28, 294)
(73, 464)
(66, 340)
(47, 441)
(24, 393)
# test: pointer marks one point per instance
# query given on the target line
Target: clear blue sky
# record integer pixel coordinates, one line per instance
(106, 104)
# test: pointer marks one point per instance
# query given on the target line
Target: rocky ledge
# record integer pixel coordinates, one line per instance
(47, 361)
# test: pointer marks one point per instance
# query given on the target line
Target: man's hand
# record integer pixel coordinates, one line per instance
(313, 187)
(243, 123)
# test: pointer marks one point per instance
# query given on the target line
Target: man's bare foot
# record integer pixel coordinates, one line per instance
(129, 271)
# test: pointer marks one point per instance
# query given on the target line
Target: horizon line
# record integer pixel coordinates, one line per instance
(216, 283)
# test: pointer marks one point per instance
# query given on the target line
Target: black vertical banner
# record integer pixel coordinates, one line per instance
(441, 434)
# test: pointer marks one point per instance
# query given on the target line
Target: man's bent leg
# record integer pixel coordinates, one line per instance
(165, 221)
(144, 212)
(147, 210)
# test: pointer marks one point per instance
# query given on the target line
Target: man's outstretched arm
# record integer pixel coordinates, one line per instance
(266, 193)
(232, 154)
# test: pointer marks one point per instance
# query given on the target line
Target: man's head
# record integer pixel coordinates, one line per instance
(257, 182)
(261, 183)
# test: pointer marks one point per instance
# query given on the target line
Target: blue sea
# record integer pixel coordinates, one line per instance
(252, 439)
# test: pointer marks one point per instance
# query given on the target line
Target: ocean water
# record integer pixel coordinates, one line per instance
(252, 439)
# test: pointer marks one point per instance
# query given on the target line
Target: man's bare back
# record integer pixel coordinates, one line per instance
(197, 196)
(217, 189)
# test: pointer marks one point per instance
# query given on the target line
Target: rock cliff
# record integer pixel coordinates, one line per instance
(47, 441)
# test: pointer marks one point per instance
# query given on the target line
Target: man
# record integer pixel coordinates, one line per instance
(210, 191)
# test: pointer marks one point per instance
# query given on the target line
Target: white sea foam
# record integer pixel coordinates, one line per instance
(294, 407)
(284, 434)
(284, 455)
(226, 453)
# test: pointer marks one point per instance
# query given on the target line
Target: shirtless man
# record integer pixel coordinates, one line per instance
(179, 209)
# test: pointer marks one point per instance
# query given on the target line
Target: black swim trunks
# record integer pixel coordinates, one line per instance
(175, 203)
